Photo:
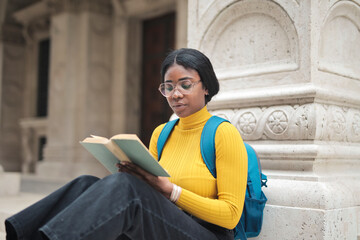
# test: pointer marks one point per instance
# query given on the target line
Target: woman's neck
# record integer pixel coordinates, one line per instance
(195, 120)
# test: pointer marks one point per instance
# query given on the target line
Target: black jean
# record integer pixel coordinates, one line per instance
(119, 206)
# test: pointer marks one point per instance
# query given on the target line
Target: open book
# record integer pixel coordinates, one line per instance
(122, 147)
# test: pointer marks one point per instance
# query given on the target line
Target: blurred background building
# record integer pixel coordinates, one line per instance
(290, 82)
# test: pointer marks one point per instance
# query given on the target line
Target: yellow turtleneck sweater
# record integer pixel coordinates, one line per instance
(219, 201)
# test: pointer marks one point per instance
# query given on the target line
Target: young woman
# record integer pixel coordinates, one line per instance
(134, 204)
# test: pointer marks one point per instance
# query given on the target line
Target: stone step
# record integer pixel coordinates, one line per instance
(32, 189)
(10, 205)
(40, 185)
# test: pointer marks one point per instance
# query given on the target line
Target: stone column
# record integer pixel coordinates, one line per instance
(11, 105)
(80, 85)
(181, 23)
(290, 82)
(12, 64)
(126, 71)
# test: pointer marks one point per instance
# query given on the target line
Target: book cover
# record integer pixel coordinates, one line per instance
(122, 147)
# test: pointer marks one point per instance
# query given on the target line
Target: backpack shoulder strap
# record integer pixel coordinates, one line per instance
(256, 179)
(164, 135)
(207, 142)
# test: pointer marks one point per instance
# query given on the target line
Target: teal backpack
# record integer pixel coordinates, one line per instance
(251, 219)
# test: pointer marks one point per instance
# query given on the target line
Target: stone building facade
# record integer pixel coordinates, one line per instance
(290, 82)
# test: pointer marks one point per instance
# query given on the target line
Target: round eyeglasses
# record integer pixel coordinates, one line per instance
(184, 86)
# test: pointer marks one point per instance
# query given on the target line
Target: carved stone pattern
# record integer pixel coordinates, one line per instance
(246, 48)
(341, 56)
(228, 114)
(203, 6)
(353, 126)
(277, 122)
(338, 122)
(247, 122)
(334, 126)
(304, 122)
(356, 125)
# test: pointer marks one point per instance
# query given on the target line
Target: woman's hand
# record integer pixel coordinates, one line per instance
(161, 184)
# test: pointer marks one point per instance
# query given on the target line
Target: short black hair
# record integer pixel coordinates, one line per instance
(193, 59)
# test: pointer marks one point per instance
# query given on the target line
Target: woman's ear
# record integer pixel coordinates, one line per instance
(206, 92)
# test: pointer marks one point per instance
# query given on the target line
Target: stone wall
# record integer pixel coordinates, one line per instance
(289, 76)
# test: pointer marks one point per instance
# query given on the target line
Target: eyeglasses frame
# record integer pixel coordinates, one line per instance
(175, 87)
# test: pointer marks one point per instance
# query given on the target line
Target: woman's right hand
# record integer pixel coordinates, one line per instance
(161, 184)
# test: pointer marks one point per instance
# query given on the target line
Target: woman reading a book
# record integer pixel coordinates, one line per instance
(133, 204)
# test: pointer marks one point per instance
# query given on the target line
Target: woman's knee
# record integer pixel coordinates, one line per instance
(122, 178)
(124, 182)
(86, 180)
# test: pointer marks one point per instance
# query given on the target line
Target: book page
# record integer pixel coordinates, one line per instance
(123, 147)
(137, 152)
(117, 151)
(127, 136)
(109, 144)
(96, 139)
(103, 155)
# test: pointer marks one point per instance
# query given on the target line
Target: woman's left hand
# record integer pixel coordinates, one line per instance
(161, 184)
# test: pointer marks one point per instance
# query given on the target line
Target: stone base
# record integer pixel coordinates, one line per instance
(66, 170)
(305, 223)
(309, 207)
(9, 183)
